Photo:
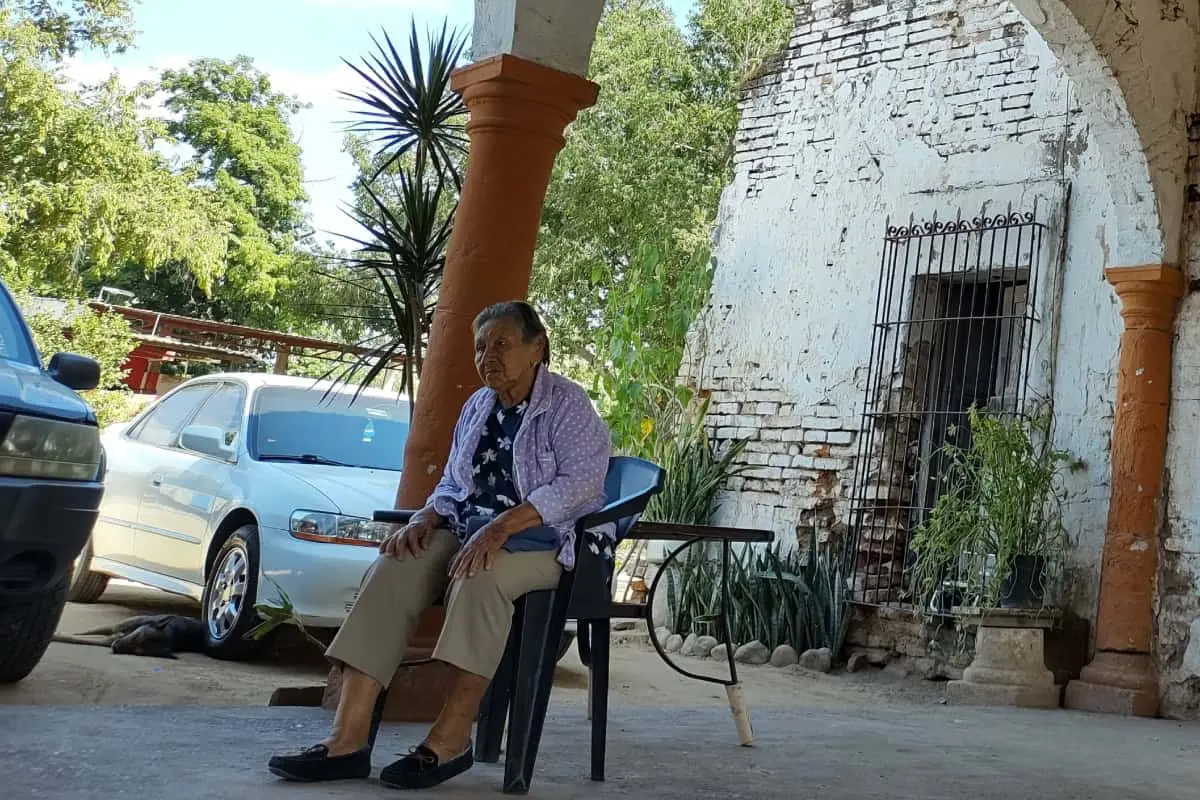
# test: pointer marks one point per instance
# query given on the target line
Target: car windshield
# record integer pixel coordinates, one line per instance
(14, 343)
(305, 426)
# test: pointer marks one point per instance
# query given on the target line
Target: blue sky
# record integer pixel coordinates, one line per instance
(300, 43)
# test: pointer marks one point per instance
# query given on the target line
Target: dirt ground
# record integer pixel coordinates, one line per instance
(73, 675)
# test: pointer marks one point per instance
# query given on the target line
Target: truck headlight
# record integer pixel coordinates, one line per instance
(48, 448)
(321, 526)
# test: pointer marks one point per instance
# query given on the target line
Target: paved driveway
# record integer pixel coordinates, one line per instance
(931, 753)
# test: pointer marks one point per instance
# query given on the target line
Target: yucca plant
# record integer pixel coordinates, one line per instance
(406, 195)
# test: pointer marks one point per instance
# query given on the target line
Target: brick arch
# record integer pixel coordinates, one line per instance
(1133, 66)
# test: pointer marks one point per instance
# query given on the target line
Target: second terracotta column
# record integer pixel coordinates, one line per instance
(1122, 677)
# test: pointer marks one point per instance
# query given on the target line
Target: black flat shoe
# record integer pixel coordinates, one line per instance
(421, 769)
(315, 765)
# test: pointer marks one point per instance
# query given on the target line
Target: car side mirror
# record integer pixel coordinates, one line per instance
(74, 371)
(207, 440)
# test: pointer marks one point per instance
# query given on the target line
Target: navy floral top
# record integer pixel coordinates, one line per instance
(495, 490)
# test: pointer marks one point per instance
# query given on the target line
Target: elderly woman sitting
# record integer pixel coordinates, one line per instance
(529, 459)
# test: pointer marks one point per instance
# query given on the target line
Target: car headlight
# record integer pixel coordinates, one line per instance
(47, 448)
(321, 526)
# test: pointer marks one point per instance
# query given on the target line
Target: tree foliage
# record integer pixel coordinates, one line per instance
(105, 337)
(82, 191)
(648, 163)
(68, 27)
(242, 155)
(406, 194)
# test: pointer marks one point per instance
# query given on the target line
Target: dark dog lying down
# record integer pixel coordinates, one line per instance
(157, 635)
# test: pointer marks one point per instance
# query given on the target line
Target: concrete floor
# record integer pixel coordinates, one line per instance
(937, 753)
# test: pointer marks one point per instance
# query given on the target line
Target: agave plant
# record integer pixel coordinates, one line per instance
(406, 195)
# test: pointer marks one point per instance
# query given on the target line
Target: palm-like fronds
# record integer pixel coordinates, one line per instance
(406, 196)
(409, 106)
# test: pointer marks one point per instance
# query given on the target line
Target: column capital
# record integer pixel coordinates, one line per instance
(509, 92)
(1149, 294)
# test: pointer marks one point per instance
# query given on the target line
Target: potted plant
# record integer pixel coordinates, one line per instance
(995, 532)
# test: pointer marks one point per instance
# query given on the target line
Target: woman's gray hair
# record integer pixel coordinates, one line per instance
(524, 315)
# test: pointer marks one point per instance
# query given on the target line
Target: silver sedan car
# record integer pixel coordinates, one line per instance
(231, 487)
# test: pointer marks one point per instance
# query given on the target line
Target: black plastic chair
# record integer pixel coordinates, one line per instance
(520, 689)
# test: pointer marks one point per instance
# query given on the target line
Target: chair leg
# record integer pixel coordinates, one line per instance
(377, 718)
(585, 656)
(545, 618)
(598, 695)
(493, 711)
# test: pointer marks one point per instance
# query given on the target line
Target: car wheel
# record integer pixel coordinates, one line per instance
(230, 589)
(25, 630)
(85, 586)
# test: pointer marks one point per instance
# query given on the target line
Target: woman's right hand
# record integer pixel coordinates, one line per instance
(411, 540)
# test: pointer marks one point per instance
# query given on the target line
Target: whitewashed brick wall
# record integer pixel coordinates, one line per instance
(884, 108)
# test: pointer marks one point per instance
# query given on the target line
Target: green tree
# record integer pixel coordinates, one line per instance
(648, 163)
(244, 156)
(82, 191)
(105, 337)
(68, 27)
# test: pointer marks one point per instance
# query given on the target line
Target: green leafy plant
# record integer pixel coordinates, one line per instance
(639, 352)
(697, 467)
(793, 598)
(104, 336)
(1000, 498)
(277, 614)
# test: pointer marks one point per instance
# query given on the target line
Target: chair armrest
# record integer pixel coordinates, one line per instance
(396, 516)
(613, 512)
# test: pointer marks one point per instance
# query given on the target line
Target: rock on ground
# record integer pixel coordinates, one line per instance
(673, 643)
(818, 660)
(752, 653)
(784, 656)
(689, 645)
(720, 652)
(705, 645)
(662, 634)
(857, 662)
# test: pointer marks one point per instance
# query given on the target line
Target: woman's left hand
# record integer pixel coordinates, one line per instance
(479, 553)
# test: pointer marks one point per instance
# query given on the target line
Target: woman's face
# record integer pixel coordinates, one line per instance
(502, 356)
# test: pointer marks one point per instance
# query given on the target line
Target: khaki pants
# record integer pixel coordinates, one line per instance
(478, 610)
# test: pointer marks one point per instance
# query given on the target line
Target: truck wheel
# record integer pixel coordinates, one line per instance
(86, 586)
(230, 589)
(25, 630)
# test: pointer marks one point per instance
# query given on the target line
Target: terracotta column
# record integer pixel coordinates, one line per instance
(519, 112)
(1122, 677)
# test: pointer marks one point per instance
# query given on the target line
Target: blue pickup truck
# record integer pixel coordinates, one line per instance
(51, 482)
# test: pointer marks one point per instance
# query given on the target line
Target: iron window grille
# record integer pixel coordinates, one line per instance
(954, 326)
